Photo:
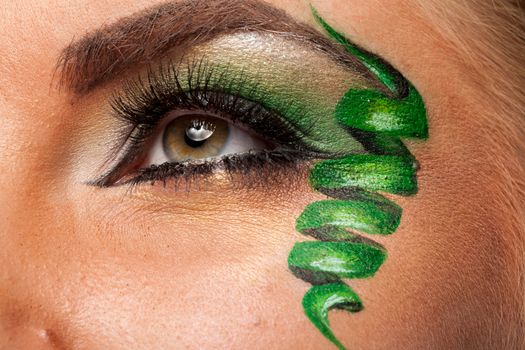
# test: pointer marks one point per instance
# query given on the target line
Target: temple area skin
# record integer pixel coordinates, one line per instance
(337, 223)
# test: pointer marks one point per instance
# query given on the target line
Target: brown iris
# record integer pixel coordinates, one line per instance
(192, 137)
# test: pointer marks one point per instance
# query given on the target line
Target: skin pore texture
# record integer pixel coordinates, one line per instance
(341, 255)
(85, 267)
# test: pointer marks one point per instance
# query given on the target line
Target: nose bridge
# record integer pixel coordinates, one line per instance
(31, 217)
(32, 142)
(34, 209)
(32, 229)
(26, 168)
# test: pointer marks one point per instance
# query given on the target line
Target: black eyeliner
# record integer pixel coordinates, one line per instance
(144, 102)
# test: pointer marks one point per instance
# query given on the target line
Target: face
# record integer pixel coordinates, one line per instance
(222, 174)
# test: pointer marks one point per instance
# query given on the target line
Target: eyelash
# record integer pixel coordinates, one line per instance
(144, 102)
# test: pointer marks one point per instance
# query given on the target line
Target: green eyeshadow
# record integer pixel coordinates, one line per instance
(290, 84)
(378, 121)
(303, 104)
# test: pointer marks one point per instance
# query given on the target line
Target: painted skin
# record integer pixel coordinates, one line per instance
(352, 180)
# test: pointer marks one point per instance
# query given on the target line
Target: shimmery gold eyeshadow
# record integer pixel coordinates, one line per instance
(284, 66)
(276, 59)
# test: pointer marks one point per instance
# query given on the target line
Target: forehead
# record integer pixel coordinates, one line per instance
(34, 33)
(40, 29)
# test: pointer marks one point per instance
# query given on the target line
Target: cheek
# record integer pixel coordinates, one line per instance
(209, 271)
(116, 273)
(452, 270)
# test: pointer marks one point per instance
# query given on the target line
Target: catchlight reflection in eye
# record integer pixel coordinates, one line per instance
(194, 137)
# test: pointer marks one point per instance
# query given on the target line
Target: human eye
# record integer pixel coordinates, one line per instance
(207, 113)
(185, 126)
(197, 137)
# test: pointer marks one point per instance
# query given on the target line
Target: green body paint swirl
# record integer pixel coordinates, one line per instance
(377, 121)
(394, 174)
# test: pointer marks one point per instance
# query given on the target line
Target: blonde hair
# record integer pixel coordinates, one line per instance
(490, 37)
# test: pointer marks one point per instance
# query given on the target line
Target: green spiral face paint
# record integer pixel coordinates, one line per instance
(323, 298)
(364, 215)
(325, 262)
(378, 121)
(371, 111)
(393, 174)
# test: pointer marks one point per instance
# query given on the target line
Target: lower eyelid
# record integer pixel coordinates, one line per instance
(247, 170)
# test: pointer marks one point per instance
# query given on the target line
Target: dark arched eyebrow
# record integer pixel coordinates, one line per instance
(176, 26)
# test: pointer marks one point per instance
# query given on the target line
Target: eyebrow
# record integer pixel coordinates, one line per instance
(110, 50)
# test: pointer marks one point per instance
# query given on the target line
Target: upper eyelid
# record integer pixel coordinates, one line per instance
(145, 103)
(140, 95)
(142, 86)
(148, 102)
(146, 99)
(109, 51)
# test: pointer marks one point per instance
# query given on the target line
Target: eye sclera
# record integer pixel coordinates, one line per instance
(225, 138)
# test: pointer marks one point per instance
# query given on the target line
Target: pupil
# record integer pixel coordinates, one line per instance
(193, 143)
(194, 136)
(197, 133)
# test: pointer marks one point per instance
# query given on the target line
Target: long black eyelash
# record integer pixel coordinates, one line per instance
(145, 101)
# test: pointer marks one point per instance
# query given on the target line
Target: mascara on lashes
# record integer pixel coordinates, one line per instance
(271, 103)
